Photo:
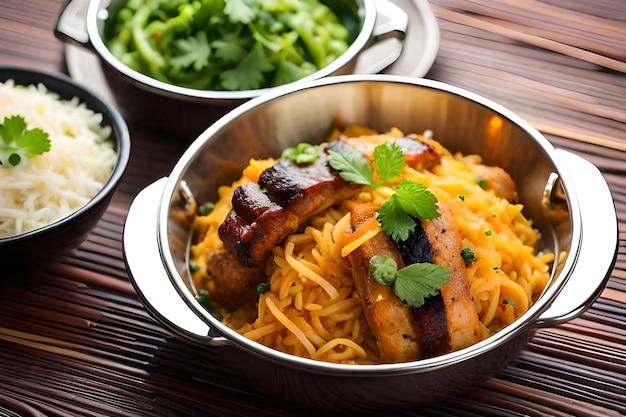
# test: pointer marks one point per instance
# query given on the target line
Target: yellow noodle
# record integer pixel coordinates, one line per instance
(291, 326)
(313, 309)
(341, 341)
(307, 273)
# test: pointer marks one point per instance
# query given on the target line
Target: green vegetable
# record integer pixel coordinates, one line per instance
(468, 256)
(413, 283)
(206, 208)
(18, 142)
(411, 199)
(193, 266)
(230, 44)
(263, 287)
(301, 154)
(388, 161)
(352, 166)
(482, 183)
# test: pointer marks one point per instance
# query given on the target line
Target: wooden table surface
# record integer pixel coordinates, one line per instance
(75, 340)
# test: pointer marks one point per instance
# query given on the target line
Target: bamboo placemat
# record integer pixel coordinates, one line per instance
(75, 340)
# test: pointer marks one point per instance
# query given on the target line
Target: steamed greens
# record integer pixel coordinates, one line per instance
(227, 44)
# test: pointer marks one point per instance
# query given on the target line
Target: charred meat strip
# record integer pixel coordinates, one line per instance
(446, 322)
(462, 320)
(287, 195)
(430, 318)
(389, 318)
(431, 321)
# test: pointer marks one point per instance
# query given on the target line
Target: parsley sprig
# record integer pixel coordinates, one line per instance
(410, 200)
(413, 283)
(19, 142)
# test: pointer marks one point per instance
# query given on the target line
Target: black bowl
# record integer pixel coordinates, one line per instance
(35, 249)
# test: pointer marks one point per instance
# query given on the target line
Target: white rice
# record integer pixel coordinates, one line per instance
(51, 186)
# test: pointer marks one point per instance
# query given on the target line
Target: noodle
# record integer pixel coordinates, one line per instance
(312, 308)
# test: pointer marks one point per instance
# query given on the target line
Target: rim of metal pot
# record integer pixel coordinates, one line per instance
(97, 13)
(523, 323)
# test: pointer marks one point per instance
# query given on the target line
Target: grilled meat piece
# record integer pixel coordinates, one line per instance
(255, 225)
(417, 154)
(388, 316)
(446, 322)
(430, 318)
(233, 285)
(462, 320)
(287, 195)
(431, 321)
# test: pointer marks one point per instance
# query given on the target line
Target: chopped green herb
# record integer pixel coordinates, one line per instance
(352, 166)
(206, 208)
(193, 266)
(383, 269)
(482, 183)
(468, 256)
(509, 301)
(203, 297)
(263, 287)
(496, 268)
(488, 232)
(301, 154)
(228, 45)
(18, 142)
(411, 199)
(388, 161)
(462, 197)
(413, 283)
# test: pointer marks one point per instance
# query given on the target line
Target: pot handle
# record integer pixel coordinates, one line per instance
(150, 279)
(598, 247)
(387, 38)
(71, 25)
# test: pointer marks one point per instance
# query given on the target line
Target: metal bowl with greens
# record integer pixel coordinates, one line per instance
(234, 45)
(178, 65)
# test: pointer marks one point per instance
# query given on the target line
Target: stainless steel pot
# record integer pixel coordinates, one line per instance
(185, 112)
(566, 196)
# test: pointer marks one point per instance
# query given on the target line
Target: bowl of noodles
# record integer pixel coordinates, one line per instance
(63, 151)
(370, 242)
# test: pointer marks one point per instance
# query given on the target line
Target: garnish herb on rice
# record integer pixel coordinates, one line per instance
(411, 199)
(19, 142)
(413, 283)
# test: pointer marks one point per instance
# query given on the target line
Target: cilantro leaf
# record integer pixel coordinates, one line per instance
(388, 161)
(352, 166)
(418, 281)
(238, 11)
(193, 51)
(413, 283)
(19, 142)
(248, 75)
(411, 200)
(416, 200)
(394, 220)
